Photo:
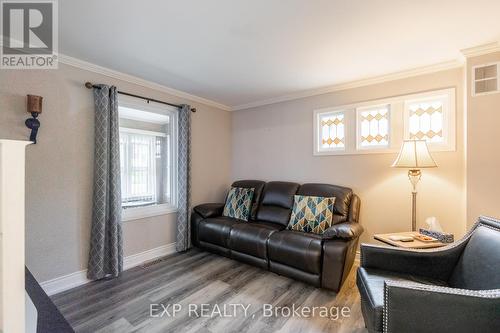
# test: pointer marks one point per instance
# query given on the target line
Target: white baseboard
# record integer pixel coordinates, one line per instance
(66, 282)
(139, 258)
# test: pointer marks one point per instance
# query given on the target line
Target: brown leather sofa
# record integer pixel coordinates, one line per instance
(319, 260)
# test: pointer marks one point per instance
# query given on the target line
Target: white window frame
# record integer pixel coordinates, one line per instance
(137, 213)
(397, 124)
(473, 76)
(318, 139)
(447, 98)
(358, 127)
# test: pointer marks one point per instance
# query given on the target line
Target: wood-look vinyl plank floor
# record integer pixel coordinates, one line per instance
(196, 277)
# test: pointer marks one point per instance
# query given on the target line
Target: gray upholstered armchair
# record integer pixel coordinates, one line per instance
(451, 289)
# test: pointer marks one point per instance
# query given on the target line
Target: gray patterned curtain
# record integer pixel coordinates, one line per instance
(183, 239)
(106, 248)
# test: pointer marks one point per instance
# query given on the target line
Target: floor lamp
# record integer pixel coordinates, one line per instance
(414, 155)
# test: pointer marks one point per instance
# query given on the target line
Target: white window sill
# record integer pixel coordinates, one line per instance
(137, 213)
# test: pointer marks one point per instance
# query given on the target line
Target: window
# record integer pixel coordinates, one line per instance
(373, 127)
(380, 126)
(332, 135)
(426, 120)
(431, 117)
(147, 159)
(143, 168)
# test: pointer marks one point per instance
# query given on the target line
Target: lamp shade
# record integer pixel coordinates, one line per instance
(414, 154)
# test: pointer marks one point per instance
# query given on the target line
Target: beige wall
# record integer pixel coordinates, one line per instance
(483, 157)
(274, 142)
(59, 167)
(271, 142)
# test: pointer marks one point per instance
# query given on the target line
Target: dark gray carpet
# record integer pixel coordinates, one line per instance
(50, 320)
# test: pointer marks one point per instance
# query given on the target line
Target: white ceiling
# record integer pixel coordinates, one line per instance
(239, 52)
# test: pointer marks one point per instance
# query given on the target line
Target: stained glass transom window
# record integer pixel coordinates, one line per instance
(374, 127)
(380, 126)
(426, 121)
(332, 128)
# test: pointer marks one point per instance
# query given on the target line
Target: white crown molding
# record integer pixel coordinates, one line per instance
(442, 66)
(74, 62)
(459, 62)
(85, 65)
(481, 50)
(73, 280)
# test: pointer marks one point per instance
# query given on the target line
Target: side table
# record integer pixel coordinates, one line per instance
(415, 244)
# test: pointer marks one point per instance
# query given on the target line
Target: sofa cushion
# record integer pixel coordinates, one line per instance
(238, 203)
(311, 214)
(371, 288)
(479, 265)
(296, 249)
(216, 230)
(277, 201)
(251, 238)
(258, 186)
(343, 196)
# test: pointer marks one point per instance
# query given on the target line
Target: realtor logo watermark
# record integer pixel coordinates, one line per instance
(29, 34)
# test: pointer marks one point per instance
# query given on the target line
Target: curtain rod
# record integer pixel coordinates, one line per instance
(90, 86)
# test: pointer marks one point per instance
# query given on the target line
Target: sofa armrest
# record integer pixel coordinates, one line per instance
(345, 230)
(439, 309)
(209, 209)
(436, 263)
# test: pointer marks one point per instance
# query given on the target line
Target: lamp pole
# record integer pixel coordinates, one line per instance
(414, 155)
(414, 176)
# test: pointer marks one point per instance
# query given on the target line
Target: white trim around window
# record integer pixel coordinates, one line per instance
(138, 213)
(446, 100)
(386, 116)
(139, 131)
(398, 124)
(318, 139)
(155, 113)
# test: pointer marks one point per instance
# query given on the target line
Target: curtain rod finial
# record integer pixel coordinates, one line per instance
(88, 85)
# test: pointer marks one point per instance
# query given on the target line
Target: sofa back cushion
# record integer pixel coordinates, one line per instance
(343, 196)
(478, 267)
(277, 202)
(258, 186)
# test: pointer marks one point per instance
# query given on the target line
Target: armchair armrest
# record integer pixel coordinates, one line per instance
(209, 209)
(345, 230)
(414, 307)
(436, 263)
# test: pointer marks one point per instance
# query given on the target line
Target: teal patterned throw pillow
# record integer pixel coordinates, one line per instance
(311, 214)
(239, 203)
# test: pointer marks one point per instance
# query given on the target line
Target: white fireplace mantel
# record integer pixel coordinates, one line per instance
(12, 294)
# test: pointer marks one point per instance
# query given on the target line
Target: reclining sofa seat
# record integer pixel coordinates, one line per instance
(263, 241)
